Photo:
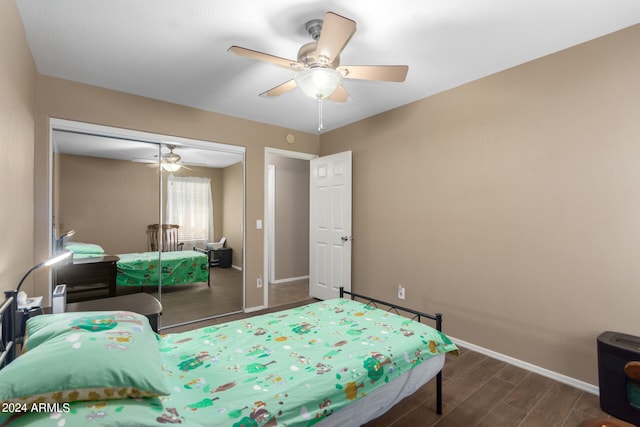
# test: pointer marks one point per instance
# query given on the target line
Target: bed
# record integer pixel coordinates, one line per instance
(178, 267)
(142, 269)
(331, 363)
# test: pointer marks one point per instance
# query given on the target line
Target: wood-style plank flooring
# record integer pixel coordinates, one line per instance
(478, 391)
(193, 301)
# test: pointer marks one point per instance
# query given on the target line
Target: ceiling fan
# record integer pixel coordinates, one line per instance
(318, 71)
(169, 161)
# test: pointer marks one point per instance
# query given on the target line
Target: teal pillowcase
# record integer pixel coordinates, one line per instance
(85, 356)
(84, 248)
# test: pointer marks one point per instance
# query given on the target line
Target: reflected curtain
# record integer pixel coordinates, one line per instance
(190, 205)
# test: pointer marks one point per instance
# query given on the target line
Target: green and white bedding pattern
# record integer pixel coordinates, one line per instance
(289, 368)
(84, 250)
(179, 267)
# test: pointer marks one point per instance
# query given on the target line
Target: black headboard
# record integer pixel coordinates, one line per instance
(8, 331)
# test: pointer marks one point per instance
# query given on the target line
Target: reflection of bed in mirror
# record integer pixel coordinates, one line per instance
(85, 273)
(173, 268)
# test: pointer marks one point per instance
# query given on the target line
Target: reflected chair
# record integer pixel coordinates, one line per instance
(169, 235)
(215, 246)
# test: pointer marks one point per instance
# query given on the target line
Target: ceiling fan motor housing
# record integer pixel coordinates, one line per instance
(170, 157)
(307, 53)
(308, 56)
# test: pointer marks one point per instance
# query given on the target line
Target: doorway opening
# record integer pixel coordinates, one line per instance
(286, 260)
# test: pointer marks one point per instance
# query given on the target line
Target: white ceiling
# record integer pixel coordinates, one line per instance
(176, 51)
(141, 150)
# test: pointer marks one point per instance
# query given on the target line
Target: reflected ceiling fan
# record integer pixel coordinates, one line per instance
(169, 161)
(318, 71)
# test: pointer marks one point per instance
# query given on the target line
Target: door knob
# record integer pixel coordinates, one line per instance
(346, 238)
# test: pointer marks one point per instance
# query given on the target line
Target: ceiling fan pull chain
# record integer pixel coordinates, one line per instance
(320, 124)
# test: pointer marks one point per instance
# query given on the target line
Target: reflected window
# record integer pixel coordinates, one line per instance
(190, 205)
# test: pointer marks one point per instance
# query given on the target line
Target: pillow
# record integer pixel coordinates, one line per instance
(84, 248)
(85, 356)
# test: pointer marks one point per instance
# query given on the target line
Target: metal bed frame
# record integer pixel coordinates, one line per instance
(9, 307)
(417, 315)
(8, 311)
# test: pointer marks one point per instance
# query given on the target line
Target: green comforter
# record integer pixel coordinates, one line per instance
(289, 368)
(142, 269)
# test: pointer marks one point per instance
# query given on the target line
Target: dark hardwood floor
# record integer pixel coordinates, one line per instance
(478, 391)
(286, 293)
(482, 391)
(193, 301)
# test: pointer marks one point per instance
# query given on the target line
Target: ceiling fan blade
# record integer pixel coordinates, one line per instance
(387, 73)
(336, 32)
(261, 56)
(281, 89)
(340, 95)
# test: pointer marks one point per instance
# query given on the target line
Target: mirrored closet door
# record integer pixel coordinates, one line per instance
(167, 217)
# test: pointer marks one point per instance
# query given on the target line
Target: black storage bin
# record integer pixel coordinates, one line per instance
(615, 350)
(224, 257)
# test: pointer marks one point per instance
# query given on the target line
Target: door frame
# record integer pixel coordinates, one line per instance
(267, 232)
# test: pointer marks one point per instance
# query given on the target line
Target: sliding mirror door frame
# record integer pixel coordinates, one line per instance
(202, 150)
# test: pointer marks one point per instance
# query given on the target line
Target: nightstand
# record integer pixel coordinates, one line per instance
(212, 256)
(88, 278)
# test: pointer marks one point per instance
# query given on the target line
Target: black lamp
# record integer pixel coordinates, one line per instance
(60, 240)
(15, 327)
(51, 261)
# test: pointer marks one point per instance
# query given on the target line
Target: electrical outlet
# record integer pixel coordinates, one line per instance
(400, 291)
(259, 282)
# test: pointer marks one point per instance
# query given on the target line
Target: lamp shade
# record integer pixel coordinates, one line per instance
(61, 240)
(61, 256)
(318, 83)
(171, 167)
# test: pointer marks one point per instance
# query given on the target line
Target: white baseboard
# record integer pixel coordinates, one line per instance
(289, 279)
(252, 309)
(236, 267)
(590, 388)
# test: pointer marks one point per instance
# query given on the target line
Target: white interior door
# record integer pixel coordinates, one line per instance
(330, 225)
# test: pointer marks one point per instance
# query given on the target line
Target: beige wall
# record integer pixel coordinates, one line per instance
(291, 217)
(17, 117)
(111, 202)
(75, 101)
(107, 202)
(511, 204)
(232, 212)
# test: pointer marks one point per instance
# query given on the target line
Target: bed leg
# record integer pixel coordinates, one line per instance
(9, 326)
(439, 393)
(439, 376)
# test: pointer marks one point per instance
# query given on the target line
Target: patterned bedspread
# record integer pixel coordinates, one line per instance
(142, 269)
(289, 368)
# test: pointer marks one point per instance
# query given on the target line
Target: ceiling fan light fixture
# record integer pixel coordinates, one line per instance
(171, 167)
(318, 83)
